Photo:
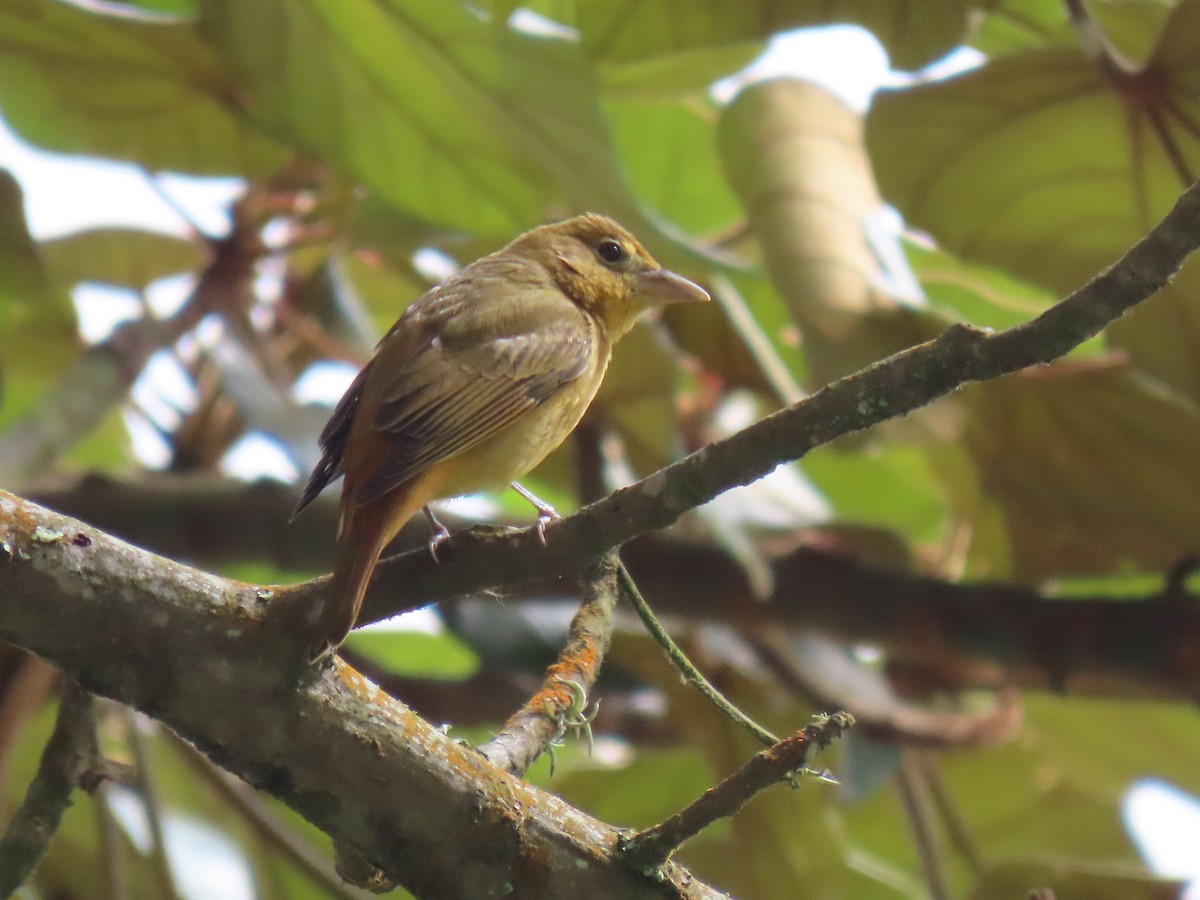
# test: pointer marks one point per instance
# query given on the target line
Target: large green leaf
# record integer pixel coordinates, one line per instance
(124, 257)
(443, 114)
(1051, 165)
(1019, 25)
(668, 151)
(148, 92)
(23, 282)
(793, 153)
(914, 33)
(1096, 470)
(37, 321)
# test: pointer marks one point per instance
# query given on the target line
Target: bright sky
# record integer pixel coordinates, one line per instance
(64, 194)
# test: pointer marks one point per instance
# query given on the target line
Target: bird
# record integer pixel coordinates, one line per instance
(476, 383)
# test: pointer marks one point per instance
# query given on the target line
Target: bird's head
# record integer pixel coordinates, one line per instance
(606, 271)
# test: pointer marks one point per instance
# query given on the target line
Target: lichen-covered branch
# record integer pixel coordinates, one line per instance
(549, 713)
(190, 649)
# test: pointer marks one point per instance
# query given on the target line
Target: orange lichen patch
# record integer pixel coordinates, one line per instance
(17, 514)
(357, 684)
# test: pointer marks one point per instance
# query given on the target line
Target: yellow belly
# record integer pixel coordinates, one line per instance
(517, 449)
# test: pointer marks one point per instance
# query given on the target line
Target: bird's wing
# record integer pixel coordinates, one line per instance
(463, 364)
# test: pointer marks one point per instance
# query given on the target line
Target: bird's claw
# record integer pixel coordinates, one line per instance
(545, 512)
(438, 535)
(546, 515)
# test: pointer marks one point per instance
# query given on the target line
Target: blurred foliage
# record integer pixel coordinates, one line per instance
(373, 133)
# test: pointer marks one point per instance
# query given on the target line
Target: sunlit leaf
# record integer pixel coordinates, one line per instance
(793, 153)
(914, 33)
(411, 653)
(967, 160)
(125, 257)
(147, 92)
(441, 113)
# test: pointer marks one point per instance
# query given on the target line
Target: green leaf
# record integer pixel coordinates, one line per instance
(148, 92)
(37, 321)
(441, 113)
(23, 282)
(793, 154)
(668, 151)
(124, 257)
(914, 33)
(1050, 166)
(966, 159)
(1096, 469)
(686, 72)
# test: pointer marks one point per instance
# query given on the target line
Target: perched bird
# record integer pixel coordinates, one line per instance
(475, 384)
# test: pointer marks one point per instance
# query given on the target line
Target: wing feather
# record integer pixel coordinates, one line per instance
(462, 369)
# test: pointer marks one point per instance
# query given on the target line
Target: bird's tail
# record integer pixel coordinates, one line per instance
(367, 532)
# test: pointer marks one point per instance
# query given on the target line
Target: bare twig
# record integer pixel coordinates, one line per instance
(1106, 645)
(533, 728)
(685, 666)
(651, 847)
(914, 798)
(144, 783)
(68, 754)
(956, 826)
(812, 667)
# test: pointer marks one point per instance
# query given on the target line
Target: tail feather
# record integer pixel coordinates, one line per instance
(366, 531)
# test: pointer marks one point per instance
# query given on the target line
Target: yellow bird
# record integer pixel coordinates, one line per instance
(475, 384)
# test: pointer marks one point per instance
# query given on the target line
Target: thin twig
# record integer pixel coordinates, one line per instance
(68, 754)
(648, 849)
(684, 665)
(144, 783)
(270, 826)
(111, 843)
(956, 826)
(536, 725)
(153, 180)
(743, 321)
(914, 798)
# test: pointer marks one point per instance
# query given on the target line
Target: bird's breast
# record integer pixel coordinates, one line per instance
(519, 448)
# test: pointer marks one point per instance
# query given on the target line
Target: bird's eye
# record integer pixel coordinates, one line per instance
(610, 251)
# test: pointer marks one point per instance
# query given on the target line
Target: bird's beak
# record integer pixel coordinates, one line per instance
(660, 287)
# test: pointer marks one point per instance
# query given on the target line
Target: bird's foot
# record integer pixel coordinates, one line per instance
(439, 533)
(545, 512)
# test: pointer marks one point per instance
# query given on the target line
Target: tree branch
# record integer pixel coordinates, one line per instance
(973, 635)
(186, 647)
(651, 847)
(540, 721)
(68, 754)
(888, 389)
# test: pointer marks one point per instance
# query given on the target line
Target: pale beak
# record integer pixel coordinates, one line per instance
(659, 287)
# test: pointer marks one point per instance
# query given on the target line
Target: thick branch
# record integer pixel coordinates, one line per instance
(182, 646)
(984, 634)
